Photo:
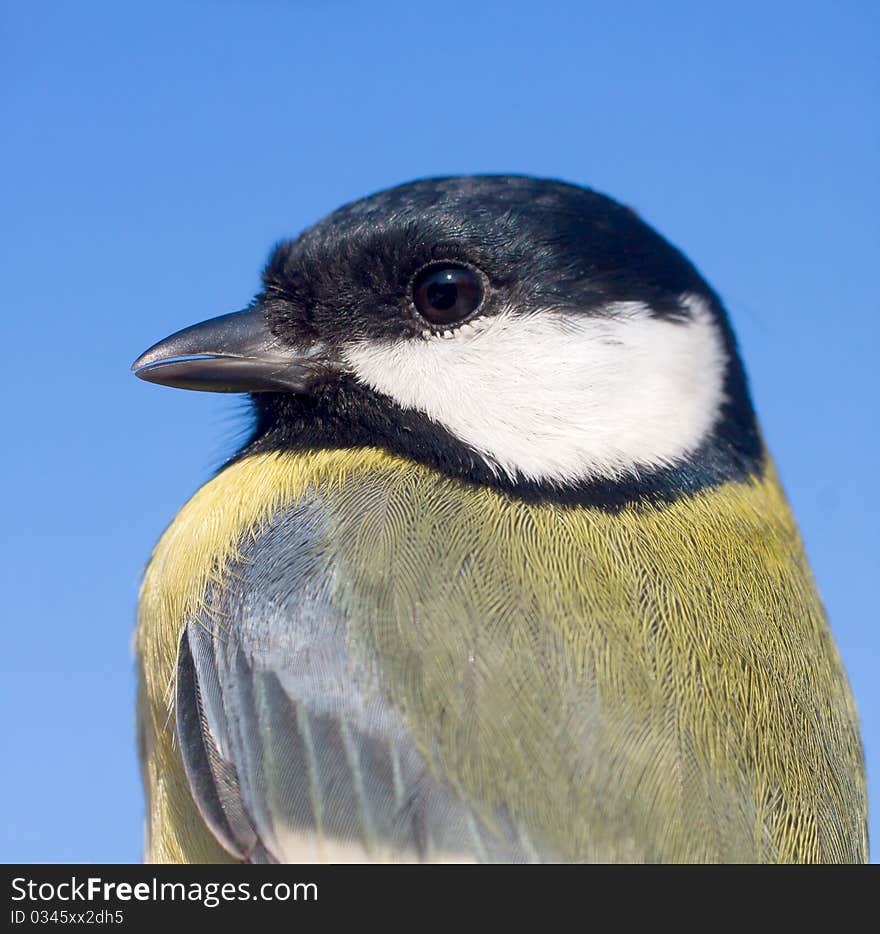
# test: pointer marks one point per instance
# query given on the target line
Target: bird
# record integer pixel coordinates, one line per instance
(503, 572)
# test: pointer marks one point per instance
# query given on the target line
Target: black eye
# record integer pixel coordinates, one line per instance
(446, 294)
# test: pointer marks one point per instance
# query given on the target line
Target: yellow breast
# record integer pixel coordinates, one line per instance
(628, 668)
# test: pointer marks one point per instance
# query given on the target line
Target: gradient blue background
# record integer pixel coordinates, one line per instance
(153, 153)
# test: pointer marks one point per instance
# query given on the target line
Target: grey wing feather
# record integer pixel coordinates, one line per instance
(290, 754)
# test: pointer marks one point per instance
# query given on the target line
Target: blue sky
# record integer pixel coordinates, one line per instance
(154, 152)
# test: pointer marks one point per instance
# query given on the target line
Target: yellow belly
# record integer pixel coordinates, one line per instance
(695, 626)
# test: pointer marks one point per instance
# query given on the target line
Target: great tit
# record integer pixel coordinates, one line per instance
(503, 573)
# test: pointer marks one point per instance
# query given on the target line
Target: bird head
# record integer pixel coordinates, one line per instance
(522, 333)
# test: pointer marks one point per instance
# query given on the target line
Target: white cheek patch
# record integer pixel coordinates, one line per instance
(559, 397)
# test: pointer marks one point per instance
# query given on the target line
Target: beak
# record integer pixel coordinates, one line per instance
(234, 353)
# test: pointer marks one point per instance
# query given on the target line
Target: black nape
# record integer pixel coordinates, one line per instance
(537, 243)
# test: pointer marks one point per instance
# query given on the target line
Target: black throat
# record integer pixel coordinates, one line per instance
(345, 414)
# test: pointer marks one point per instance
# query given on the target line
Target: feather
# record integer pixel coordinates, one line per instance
(532, 681)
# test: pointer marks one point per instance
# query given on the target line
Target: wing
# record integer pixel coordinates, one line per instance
(290, 751)
(404, 667)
